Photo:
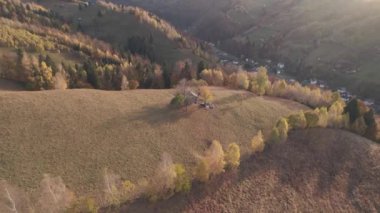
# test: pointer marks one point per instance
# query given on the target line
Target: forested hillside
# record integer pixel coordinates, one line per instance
(332, 40)
(82, 45)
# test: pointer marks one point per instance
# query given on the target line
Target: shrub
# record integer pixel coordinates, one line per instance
(257, 143)
(178, 101)
(232, 156)
(182, 181)
(297, 121)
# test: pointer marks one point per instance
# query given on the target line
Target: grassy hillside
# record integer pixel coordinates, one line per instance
(333, 40)
(316, 170)
(77, 133)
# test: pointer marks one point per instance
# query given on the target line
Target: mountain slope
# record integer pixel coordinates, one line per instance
(320, 170)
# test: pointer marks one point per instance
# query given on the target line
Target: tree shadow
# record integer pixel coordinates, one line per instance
(152, 115)
(234, 98)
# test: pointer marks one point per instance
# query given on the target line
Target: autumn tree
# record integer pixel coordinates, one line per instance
(133, 84)
(13, 199)
(242, 81)
(60, 82)
(297, 121)
(201, 66)
(213, 77)
(312, 119)
(212, 163)
(322, 116)
(162, 183)
(124, 85)
(182, 180)
(260, 82)
(336, 116)
(257, 143)
(54, 195)
(206, 94)
(275, 136)
(232, 156)
(112, 188)
(280, 131)
(372, 127)
(202, 170)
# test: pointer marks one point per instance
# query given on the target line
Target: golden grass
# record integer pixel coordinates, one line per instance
(77, 133)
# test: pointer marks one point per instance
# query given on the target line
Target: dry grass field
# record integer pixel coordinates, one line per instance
(75, 134)
(316, 170)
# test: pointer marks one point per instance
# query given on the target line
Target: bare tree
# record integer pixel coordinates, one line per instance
(112, 187)
(54, 195)
(13, 200)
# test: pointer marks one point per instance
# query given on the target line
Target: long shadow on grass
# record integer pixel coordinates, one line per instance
(162, 115)
(152, 115)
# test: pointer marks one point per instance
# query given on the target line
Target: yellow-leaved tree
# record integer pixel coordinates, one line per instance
(232, 156)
